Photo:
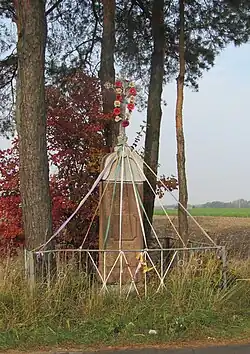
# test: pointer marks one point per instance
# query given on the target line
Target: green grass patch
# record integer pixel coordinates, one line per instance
(193, 306)
(230, 212)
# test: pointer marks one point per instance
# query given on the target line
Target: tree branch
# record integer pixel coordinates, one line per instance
(52, 8)
(5, 7)
(144, 8)
(94, 11)
(89, 52)
(8, 68)
(76, 48)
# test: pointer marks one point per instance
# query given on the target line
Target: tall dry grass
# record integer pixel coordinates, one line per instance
(192, 305)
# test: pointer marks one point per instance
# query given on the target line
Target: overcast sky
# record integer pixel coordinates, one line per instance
(217, 127)
(217, 130)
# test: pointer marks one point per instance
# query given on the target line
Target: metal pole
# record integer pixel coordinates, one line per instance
(30, 269)
(162, 266)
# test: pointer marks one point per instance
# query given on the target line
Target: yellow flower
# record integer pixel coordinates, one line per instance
(118, 90)
(117, 103)
(146, 269)
(143, 263)
(132, 99)
(131, 84)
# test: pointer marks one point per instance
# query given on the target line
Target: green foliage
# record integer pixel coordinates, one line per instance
(230, 212)
(209, 27)
(74, 38)
(240, 203)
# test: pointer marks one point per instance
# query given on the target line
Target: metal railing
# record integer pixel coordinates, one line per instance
(128, 270)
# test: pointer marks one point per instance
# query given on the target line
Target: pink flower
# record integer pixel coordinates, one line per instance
(119, 98)
(131, 106)
(125, 123)
(132, 91)
(118, 84)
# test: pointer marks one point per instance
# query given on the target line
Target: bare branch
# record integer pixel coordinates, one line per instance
(89, 52)
(76, 48)
(8, 68)
(144, 8)
(52, 8)
(8, 8)
(94, 11)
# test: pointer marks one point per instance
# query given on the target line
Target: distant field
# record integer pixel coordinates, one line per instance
(233, 212)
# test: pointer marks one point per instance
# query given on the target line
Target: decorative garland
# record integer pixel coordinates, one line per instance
(128, 94)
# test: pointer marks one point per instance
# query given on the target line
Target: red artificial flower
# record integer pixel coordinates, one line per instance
(119, 98)
(116, 111)
(131, 106)
(118, 84)
(125, 123)
(132, 91)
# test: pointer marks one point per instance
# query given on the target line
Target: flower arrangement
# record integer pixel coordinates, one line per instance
(125, 94)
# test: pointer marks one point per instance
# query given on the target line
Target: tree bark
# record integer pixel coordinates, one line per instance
(182, 179)
(107, 70)
(31, 122)
(154, 111)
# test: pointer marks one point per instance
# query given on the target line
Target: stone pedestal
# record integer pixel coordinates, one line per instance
(131, 236)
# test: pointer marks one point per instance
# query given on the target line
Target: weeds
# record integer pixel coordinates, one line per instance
(192, 306)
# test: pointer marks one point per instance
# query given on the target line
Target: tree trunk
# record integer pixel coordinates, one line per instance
(31, 122)
(182, 180)
(107, 70)
(154, 111)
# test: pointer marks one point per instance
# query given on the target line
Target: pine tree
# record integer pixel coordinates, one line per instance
(31, 122)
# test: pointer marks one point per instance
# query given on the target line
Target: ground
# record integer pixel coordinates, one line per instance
(223, 347)
(234, 232)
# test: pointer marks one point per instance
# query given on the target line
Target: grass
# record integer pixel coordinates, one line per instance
(230, 212)
(193, 306)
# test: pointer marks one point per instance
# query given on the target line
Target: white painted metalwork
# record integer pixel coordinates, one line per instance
(123, 166)
(157, 262)
(151, 262)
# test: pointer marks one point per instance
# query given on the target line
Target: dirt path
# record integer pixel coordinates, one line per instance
(226, 347)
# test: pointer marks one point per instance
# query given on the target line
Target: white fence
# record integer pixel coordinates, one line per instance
(130, 271)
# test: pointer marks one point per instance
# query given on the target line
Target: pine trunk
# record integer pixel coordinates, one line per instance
(107, 70)
(154, 111)
(31, 122)
(182, 179)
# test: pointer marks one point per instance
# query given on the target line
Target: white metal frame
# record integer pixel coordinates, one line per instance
(119, 157)
(159, 269)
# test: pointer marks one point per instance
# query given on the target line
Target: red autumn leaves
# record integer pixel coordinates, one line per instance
(75, 146)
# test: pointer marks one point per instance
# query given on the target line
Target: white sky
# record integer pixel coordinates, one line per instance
(217, 127)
